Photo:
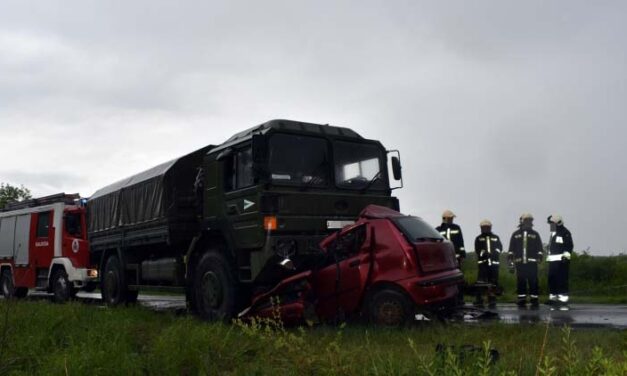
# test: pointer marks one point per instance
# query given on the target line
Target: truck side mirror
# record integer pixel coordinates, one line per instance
(396, 168)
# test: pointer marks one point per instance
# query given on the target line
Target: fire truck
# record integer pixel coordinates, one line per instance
(43, 246)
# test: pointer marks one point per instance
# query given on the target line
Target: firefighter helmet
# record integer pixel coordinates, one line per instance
(448, 214)
(485, 223)
(526, 216)
(556, 218)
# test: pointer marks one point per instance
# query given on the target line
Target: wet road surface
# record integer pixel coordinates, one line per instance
(579, 315)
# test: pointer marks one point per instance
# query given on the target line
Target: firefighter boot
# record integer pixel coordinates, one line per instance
(492, 302)
(535, 304)
(522, 301)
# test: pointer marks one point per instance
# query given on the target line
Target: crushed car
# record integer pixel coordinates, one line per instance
(385, 269)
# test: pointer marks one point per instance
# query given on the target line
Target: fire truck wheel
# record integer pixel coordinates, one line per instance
(6, 284)
(61, 287)
(389, 308)
(21, 292)
(114, 288)
(214, 288)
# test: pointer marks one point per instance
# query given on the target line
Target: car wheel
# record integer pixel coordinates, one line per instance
(61, 287)
(389, 308)
(6, 284)
(214, 288)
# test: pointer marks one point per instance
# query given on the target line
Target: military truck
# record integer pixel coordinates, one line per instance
(219, 222)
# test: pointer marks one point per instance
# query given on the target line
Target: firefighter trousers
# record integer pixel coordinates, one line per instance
(558, 277)
(488, 274)
(527, 281)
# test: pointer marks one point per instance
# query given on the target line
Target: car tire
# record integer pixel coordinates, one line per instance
(214, 288)
(62, 288)
(389, 308)
(6, 284)
(114, 288)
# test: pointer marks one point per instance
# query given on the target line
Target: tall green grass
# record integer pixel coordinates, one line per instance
(593, 279)
(78, 339)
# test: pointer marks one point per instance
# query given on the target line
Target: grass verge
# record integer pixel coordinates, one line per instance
(75, 339)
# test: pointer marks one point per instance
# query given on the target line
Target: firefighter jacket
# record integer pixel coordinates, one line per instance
(525, 246)
(488, 248)
(560, 245)
(453, 232)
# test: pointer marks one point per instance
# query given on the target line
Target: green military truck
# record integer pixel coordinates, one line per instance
(219, 221)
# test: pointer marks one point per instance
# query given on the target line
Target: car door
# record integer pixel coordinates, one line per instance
(340, 285)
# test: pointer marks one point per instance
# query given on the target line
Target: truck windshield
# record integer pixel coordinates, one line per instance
(415, 229)
(299, 160)
(358, 166)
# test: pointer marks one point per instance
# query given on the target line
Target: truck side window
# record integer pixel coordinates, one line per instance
(73, 225)
(43, 222)
(239, 170)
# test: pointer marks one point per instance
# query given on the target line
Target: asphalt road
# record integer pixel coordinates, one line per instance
(579, 315)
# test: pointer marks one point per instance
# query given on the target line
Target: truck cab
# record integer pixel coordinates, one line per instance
(277, 189)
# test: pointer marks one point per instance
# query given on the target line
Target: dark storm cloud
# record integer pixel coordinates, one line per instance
(497, 107)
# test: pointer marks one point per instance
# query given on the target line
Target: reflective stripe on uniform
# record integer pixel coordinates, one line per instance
(566, 255)
(551, 258)
(481, 261)
(562, 298)
(524, 247)
(534, 296)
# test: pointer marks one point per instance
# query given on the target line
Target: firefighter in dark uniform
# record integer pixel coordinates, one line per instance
(453, 233)
(525, 252)
(560, 249)
(488, 248)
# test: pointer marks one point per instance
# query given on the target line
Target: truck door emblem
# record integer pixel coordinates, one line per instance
(75, 245)
(248, 204)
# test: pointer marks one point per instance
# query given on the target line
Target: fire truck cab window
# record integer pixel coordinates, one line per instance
(73, 225)
(43, 223)
(239, 170)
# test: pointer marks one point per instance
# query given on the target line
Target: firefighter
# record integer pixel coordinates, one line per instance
(453, 233)
(560, 249)
(525, 252)
(488, 248)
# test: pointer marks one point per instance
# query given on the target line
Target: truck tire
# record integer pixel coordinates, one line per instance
(62, 288)
(6, 284)
(214, 288)
(389, 308)
(114, 288)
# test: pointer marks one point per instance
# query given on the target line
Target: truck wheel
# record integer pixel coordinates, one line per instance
(20, 292)
(6, 284)
(389, 308)
(114, 288)
(61, 287)
(214, 288)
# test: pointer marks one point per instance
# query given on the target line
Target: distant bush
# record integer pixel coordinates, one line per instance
(592, 278)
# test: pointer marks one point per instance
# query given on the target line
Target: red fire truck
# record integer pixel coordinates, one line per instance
(43, 246)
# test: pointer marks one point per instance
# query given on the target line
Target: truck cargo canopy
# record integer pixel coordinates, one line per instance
(152, 195)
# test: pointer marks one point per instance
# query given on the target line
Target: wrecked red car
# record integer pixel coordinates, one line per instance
(385, 268)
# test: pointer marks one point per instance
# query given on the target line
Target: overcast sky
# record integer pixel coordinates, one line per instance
(497, 107)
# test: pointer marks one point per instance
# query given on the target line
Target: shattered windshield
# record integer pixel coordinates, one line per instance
(359, 166)
(299, 160)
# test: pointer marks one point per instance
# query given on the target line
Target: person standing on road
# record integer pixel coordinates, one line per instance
(488, 248)
(453, 233)
(560, 249)
(525, 251)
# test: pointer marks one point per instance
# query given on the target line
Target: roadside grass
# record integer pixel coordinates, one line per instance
(78, 339)
(593, 279)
